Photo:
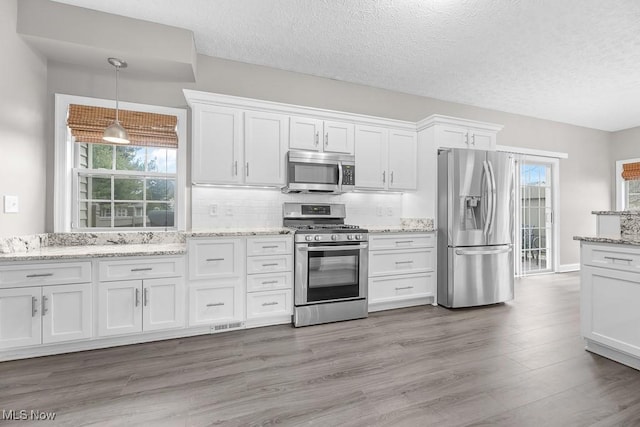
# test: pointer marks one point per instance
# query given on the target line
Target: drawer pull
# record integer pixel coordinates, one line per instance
(403, 241)
(44, 305)
(612, 258)
(404, 262)
(270, 247)
(142, 269)
(271, 264)
(215, 304)
(270, 282)
(34, 306)
(403, 288)
(215, 259)
(29, 276)
(264, 304)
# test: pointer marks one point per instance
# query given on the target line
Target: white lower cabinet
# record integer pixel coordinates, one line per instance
(216, 302)
(266, 304)
(44, 315)
(401, 270)
(131, 306)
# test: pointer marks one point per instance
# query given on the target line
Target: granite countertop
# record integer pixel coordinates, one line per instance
(96, 251)
(398, 229)
(229, 232)
(633, 240)
(615, 212)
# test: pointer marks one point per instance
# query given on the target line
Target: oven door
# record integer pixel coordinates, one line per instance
(327, 272)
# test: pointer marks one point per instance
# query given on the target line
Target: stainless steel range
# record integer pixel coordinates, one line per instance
(331, 264)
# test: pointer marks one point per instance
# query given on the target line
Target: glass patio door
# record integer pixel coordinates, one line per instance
(534, 240)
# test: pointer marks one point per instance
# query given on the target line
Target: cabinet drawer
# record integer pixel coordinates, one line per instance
(269, 245)
(401, 261)
(268, 264)
(399, 287)
(45, 274)
(269, 281)
(142, 268)
(614, 257)
(216, 258)
(269, 303)
(215, 303)
(401, 241)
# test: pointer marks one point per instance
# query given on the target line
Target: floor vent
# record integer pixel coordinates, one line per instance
(226, 326)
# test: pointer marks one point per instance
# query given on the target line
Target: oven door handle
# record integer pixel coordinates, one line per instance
(333, 248)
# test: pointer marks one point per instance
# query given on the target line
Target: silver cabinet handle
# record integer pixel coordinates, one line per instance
(137, 297)
(317, 138)
(404, 262)
(473, 139)
(326, 138)
(466, 135)
(270, 247)
(270, 282)
(391, 180)
(142, 269)
(44, 305)
(145, 297)
(235, 168)
(215, 304)
(247, 169)
(403, 288)
(271, 264)
(612, 258)
(215, 259)
(264, 304)
(30, 276)
(403, 241)
(384, 176)
(34, 306)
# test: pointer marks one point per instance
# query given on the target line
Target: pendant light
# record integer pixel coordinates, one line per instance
(115, 133)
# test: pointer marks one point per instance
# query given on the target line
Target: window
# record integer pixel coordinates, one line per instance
(101, 187)
(628, 184)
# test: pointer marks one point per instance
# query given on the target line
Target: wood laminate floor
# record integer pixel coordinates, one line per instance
(515, 364)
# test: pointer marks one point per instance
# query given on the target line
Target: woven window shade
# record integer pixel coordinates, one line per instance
(87, 124)
(631, 171)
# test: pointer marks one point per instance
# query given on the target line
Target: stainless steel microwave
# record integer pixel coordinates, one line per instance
(311, 172)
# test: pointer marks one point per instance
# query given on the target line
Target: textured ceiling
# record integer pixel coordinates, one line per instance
(573, 61)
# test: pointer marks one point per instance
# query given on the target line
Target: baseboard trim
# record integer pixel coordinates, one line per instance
(565, 268)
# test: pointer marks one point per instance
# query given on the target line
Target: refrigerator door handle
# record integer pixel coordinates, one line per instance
(484, 252)
(487, 216)
(494, 196)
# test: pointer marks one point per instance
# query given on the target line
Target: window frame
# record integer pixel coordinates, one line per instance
(64, 213)
(621, 184)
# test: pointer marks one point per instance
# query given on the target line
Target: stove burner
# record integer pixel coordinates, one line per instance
(326, 227)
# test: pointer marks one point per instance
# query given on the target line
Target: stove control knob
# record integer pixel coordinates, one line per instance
(309, 237)
(358, 236)
(349, 237)
(334, 237)
(318, 237)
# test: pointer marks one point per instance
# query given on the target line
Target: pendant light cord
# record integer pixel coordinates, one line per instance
(117, 104)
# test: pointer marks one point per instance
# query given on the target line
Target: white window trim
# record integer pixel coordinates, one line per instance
(64, 158)
(621, 200)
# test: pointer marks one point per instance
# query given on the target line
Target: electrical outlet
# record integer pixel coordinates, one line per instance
(213, 210)
(11, 204)
(228, 212)
(379, 210)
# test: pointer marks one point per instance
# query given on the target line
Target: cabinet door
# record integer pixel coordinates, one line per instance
(609, 308)
(119, 307)
(338, 137)
(163, 302)
(265, 147)
(217, 138)
(451, 136)
(371, 157)
(66, 313)
(305, 134)
(403, 160)
(482, 139)
(20, 321)
(216, 302)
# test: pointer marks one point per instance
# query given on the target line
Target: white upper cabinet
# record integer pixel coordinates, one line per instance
(451, 132)
(317, 135)
(385, 159)
(265, 148)
(216, 148)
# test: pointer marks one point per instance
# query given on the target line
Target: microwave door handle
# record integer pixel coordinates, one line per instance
(340, 177)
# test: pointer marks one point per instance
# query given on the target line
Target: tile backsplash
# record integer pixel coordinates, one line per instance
(246, 207)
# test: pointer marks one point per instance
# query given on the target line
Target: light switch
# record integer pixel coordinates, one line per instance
(11, 204)
(213, 210)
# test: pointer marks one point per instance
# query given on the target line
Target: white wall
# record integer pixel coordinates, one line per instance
(585, 176)
(24, 114)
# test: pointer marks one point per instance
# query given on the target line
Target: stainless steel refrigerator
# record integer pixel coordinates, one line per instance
(475, 227)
